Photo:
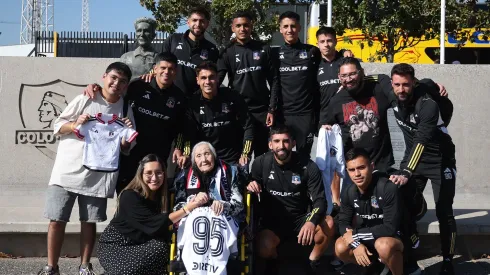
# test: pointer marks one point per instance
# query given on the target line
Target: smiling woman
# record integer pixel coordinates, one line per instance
(135, 242)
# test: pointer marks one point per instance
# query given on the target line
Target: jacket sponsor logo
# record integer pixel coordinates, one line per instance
(372, 216)
(293, 69)
(320, 72)
(179, 47)
(39, 106)
(147, 96)
(284, 194)
(215, 124)
(256, 55)
(330, 82)
(152, 113)
(401, 123)
(186, 64)
(249, 69)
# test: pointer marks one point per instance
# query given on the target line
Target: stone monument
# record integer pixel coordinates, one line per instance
(141, 60)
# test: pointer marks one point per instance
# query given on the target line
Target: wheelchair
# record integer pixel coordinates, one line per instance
(238, 264)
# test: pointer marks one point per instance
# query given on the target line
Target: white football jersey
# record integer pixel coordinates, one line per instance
(103, 134)
(330, 158)
(206, 241)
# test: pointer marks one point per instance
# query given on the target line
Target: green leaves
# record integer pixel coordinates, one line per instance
(170, 14)
(399, 24)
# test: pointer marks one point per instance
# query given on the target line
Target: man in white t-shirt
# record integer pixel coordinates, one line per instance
(71, 179)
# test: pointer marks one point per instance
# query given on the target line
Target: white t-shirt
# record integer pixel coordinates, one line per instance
(68, 170)
(330, 158)
(103, 134)
(206, 241)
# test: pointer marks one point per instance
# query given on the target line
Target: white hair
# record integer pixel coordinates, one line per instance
(211, 148)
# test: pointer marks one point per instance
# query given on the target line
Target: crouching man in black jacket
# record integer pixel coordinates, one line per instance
(369, 218)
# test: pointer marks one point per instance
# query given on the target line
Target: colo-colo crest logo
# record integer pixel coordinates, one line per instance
(39, 106)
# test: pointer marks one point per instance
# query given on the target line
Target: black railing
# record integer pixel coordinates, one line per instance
(90, 44)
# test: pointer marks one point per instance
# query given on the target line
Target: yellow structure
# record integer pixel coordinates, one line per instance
(423, 52)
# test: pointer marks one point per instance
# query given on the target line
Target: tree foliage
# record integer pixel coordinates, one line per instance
(170, 14)
(399, 24)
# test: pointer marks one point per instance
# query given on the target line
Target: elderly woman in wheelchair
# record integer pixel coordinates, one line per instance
(207, 237)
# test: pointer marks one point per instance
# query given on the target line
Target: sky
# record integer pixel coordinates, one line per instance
(105, 15)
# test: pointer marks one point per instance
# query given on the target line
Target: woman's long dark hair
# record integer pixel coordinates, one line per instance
(138, 184)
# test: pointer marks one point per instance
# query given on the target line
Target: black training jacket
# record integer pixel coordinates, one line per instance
(328, 82)
(223, 121)
(298, 68)
(189, 54)
(250, 67)
(426, 138)
(378, 210)
(158, 115)
(290, 191)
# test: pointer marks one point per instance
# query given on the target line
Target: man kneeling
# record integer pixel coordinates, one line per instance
(292, 187)
(369, 218)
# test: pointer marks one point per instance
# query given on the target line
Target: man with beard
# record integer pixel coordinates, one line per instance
(360, 95)
(250, 65)
(191, 49)
(429, 154)
(292, 186)
(219, 116)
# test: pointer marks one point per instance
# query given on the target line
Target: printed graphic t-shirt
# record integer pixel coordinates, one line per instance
(102, 134)
(363, 120)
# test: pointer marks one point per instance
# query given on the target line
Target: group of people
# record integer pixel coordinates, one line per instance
(117, 138)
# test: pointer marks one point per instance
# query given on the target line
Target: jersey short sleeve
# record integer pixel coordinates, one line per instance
(129, 134)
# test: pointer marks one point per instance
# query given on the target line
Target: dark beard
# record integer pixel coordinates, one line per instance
(282, 158)
(355, 90)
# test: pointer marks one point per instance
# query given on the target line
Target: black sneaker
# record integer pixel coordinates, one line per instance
(49, 270)
(376, 268)
(447, 267)
(315, 264)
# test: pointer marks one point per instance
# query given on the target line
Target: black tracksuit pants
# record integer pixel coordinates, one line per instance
(443, 181)
(303, 127)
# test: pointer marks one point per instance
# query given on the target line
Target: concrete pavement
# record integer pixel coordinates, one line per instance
(30, 266)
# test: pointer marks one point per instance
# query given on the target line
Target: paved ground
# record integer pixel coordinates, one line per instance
(28, 266)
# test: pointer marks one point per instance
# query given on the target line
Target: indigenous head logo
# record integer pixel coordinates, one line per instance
(39, 106)
(51, 107)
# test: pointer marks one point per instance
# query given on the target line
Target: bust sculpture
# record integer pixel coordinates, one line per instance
(141, 60)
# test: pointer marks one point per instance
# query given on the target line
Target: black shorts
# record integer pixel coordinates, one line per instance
(284, 228)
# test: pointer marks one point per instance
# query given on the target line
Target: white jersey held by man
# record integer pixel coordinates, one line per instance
(207, 241)
(102, 134)
(330, 158)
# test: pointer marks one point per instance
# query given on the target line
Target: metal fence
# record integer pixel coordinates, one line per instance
(90, 44)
